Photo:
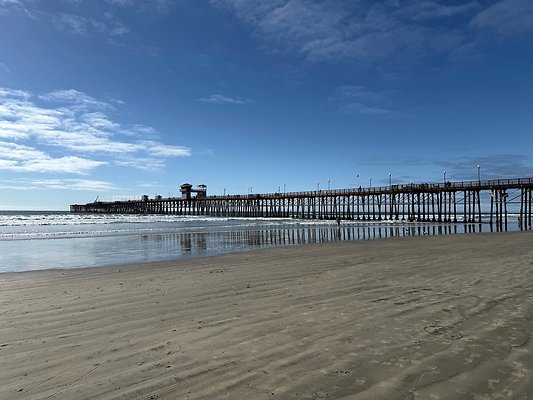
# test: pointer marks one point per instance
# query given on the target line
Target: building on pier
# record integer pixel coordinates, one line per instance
(187, 191)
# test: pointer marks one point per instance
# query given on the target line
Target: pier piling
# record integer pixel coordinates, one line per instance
(423, 202)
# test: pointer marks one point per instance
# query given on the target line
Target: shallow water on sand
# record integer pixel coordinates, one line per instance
(44, 240)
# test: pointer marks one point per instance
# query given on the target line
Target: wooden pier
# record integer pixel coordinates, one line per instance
(489, 201)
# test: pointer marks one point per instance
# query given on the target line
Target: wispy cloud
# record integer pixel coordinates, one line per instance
(368, 33)
(140, 130)
(492, 166)
(506, 18)
(154, 5)
(221, 99)
(161, 150)
(119, 30)
(75, 98)
(428, 10)
(353, 99)
(73, 17)
(361, 108)
(4, 3)
(142, 163)
(78, 24)
(495, 166)
(149, 185)
(94, 18)
(365, 32)
(75, 123)
(88, 184)
(122, 3)
(54, 184)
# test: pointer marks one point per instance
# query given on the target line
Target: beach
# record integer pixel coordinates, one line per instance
(426, 317)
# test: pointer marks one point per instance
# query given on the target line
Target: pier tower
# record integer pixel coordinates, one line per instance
(187, 191)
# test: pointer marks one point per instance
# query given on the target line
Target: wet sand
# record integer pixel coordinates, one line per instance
(448, 317)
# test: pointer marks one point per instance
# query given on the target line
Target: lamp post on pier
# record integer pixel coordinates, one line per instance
(390, 179)
(478, 175)
(444, 177)
(370, 183)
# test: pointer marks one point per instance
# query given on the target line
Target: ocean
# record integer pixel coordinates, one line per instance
(35, 240)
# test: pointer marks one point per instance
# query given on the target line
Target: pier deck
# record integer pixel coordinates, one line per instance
(463, 201)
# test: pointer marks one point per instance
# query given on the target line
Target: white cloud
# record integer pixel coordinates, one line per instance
(13, 151)
(9, 130)
(64, 184)
(161, 150)
(76, 98)
(67, 165)
(142, 163)
(14, 93)
(75, 123)
(139, 130)
(87, 184)
(20, 158)
(507, 17)
(99, 121)
(221, 99)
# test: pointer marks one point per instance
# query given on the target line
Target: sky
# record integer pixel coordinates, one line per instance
(113, 99)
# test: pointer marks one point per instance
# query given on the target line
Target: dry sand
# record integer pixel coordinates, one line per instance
(413, 318)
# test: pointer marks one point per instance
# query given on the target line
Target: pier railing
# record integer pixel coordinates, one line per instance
(486, 184)
(437, 202)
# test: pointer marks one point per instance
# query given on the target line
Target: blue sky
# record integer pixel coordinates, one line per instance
(118, 98)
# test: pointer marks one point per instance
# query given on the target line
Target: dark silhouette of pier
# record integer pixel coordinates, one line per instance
(478, 201)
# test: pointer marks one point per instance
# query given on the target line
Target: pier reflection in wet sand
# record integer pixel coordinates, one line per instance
(207, 243)
(150, 247)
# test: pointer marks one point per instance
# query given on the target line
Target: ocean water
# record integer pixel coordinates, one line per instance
(45, 240)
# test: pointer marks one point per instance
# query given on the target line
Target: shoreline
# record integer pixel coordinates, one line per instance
(171, 263)
(132, 248)
(444, 316)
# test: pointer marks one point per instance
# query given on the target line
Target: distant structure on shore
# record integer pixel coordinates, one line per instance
(414, 202)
